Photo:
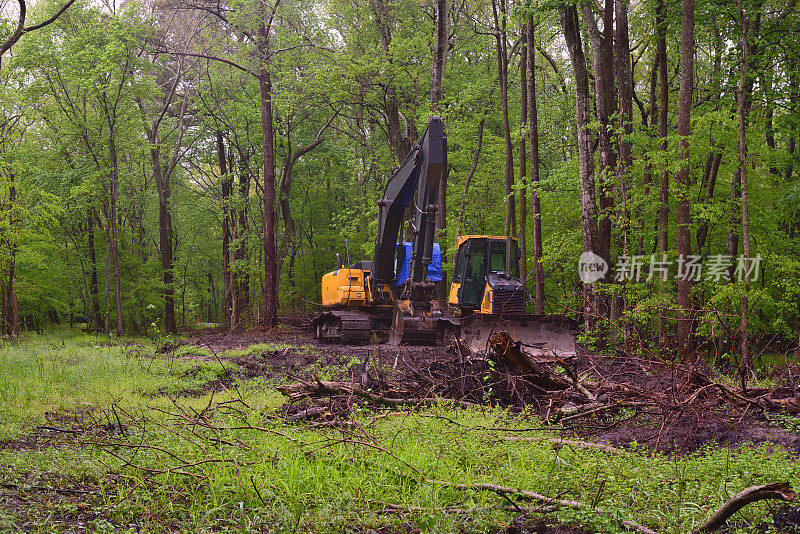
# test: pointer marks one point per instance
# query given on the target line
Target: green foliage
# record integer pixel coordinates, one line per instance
(67, 84)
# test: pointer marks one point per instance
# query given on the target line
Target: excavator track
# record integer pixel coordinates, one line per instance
(350, 327)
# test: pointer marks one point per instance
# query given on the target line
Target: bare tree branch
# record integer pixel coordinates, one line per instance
(211, 58)
(22, 29)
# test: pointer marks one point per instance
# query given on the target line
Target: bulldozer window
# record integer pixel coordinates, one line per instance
(476, 268)
(497, 259)
(458, 272)
(475, 273)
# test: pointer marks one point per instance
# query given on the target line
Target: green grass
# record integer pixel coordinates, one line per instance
(220, 464)
(332, 480)
(66, 371)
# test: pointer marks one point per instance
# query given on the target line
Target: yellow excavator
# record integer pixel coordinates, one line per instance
(393, 295)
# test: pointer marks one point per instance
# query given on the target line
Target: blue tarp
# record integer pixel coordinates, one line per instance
(404, 262)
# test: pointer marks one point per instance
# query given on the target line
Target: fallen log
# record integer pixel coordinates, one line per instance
(314, 412)
(502, 490)
(781, 491)
(570, 412)
(506, 347)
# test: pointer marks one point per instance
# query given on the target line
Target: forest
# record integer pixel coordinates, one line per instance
(168, 164)
(177, 176)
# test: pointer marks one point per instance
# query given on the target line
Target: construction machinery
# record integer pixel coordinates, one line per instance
(484, 280)
(369, 298)
(488, 296)
(394, 294)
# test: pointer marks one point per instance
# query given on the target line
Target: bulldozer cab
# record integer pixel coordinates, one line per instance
(477, 258)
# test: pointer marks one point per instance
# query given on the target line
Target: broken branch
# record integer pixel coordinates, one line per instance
(781, 491)
(502, 490)
(301, 389)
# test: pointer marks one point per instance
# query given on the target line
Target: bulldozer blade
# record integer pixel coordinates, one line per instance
(539, 335)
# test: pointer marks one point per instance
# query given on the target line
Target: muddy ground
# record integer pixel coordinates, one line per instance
(661, 406)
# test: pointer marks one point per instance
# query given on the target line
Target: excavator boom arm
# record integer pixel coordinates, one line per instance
(416, 179)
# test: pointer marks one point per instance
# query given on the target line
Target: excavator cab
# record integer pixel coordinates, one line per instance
(482, 282)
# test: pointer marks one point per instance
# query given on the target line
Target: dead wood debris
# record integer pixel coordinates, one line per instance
(529, 495)
(776, 491)
(319, 388)
(781, 491)
(684, 406)
(205, 429)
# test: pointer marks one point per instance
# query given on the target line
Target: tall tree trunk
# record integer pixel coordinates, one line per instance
(684, 237)
(746, 362)
(533, 137)
(624, 78)
(661, 53)
(95, 306)
(161, 175)
(10, 310)
(225, 187)
(12, 272)
(769, 113)
(663, 192)
(603, 67)
(242, 278)
(235, 312)
(523, 163)
(284, 191)
(439, 55)
(270, 316)
(502, 76)
(289, 226)
(164, 235)
(625, 87)
(572, 36)
(648, 171)
(794, 95)
(113, 193)
(735, 217)
(715, 156)
(107, 322)
(397, 136)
